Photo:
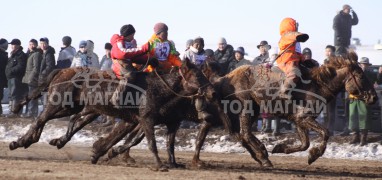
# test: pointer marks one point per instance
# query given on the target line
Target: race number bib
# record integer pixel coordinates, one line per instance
(162, 50)
(199, 59)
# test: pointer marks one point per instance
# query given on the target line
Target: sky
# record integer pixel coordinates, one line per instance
(242, 22)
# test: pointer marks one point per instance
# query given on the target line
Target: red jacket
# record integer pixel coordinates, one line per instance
(123, 50)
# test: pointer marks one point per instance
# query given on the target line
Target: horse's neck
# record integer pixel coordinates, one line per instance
(335, 85)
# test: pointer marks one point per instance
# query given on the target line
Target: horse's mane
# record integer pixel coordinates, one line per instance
(327, 71)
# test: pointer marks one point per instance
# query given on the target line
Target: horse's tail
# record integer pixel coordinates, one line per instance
(37, 93)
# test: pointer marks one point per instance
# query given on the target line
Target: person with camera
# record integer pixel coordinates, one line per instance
(342, 25)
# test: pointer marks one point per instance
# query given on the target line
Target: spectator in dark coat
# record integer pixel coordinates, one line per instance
(3, 64)
(224, 55)
(15, 71)
(342, 25)
(264, 54)
(239, 60)
(106, 61)
(32, 74)
(48, 63)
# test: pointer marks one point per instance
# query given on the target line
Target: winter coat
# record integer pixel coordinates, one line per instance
(33, 67)
(288, 32)
(16, 64)
(235, 64)
(261, 59)
(224, 58)
(123, 50)
(85, 60)
(165, 52)
(105, 63)
(65, 57)
(48, 64)
(342, 24)
(194, 56)
(3, 65)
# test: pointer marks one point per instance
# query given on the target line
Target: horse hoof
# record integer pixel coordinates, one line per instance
(53, 142)
(111, 154)
(129, 160)
(279, 148)
(93, 160)
(267, 164)
(314, 154)
(176, 165)
(161, 168)
(13, 145)
(198, 164)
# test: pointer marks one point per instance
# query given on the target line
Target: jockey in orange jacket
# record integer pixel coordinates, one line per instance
(290, 54)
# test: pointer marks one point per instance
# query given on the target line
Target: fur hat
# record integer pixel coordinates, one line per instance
(67, 40)
(127, 30)
(3, 44)
(199, 40)
(160, 27)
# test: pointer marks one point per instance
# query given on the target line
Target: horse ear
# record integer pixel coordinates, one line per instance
(353, 56)
(186, 64)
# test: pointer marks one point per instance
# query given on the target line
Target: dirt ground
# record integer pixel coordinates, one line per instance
(42, 161)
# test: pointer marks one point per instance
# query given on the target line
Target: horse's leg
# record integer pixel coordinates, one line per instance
(304, 138)
(147, 123)
(133, 138)
(137, 139)
(35, 130)
(172, 128)
(316, 152)
(102, 145)
(251, 143)
(77, 122)
(202, 134)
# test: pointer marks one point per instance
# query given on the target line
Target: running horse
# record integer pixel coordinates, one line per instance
(80, 91)
(257, 88)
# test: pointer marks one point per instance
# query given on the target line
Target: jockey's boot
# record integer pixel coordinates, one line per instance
(117, 97)
(286, 89)
(364, 133)
(355, 139)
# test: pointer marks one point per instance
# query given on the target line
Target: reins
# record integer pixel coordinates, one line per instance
(198, 94)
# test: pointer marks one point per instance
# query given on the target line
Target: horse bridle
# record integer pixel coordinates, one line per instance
(200, 93)
(363, 94)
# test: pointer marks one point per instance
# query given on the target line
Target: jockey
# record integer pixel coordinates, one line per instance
(290, 54)
(124, 53)
(163, 50)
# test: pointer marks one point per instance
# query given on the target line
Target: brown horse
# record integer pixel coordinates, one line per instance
(77, 91)
(258, 87)
(317, 87)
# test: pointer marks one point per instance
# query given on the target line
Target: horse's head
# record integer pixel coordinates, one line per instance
(195, 81)
(211, 70)
(356, 82)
